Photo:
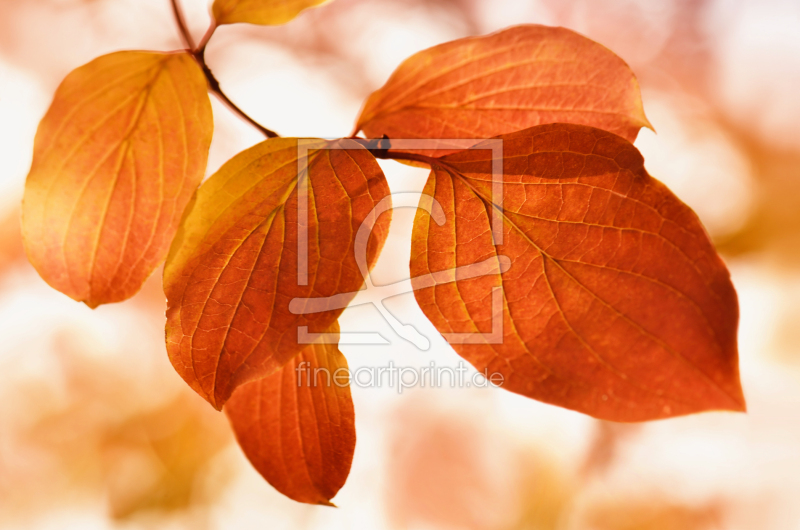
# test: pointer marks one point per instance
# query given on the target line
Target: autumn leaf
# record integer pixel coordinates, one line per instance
(297, 426)
(616, 303)
(236, 263)
(116, 160)
(262, 12)
(480, 87)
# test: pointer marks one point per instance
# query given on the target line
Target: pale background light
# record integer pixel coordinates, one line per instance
(96, 429)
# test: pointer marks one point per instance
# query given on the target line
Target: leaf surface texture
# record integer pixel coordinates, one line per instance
(616, 303)
(234, 266)
(297, 426)
(261, 12)
(116, 160)
(481, 87)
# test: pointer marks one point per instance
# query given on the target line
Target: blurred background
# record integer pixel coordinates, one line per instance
(97, 431)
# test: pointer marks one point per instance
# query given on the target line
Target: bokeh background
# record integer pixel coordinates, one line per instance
(97, 431)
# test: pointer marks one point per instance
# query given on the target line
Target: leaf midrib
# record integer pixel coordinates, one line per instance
(456, 174)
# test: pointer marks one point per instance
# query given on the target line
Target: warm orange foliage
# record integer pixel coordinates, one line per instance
(297, 426)
(607, 296)
(263, 12)
(616, 303)
(481, 87)
(116, 160)
(234, 266)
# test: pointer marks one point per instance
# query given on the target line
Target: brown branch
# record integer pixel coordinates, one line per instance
(198, 52)
(380, 148)
(184, 30)
(215, 89)
(207, 37)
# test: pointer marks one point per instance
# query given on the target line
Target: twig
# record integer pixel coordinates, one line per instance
(207, 37)
(379, 147)
(185, 35)
(198, 52)
(213, 85)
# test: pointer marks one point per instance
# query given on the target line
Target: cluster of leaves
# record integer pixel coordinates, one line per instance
(614, 301)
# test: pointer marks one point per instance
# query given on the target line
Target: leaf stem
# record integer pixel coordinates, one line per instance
(379, 147)
(184, 30)
(207, 37)
(215, 89)
(198, 52)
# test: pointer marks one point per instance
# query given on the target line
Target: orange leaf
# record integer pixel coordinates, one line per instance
(297, 426)
(234, 267)
(480, 87)
(262, 12)
(116, 160)
(615, 303)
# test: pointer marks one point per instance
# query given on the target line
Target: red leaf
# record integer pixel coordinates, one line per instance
(297, 426)
(480, 87)
(615, 304)
(233, 268)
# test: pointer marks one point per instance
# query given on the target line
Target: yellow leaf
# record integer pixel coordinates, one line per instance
(116, 160)
(262, 12)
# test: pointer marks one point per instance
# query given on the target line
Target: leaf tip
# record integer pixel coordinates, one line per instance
(736, 397)
(91, 304)
(212, 399)
(646, 123)
(734, 400)
(638, 113)
(740, 405)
